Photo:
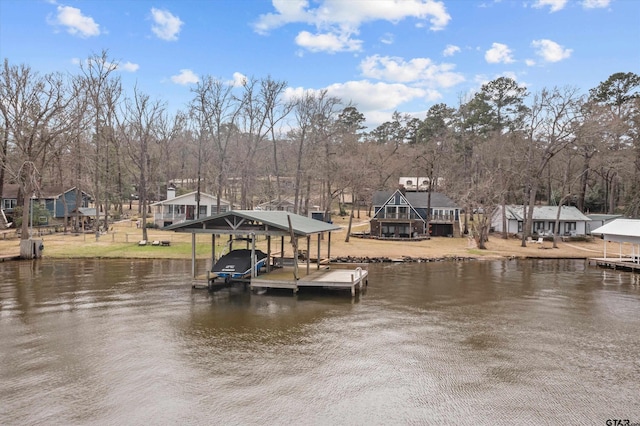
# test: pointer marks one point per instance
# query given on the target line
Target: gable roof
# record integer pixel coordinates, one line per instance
(627, 229)
(242, 222)
(604, 217)
(84, 211)
(180, 199)
(416, 199)
(10, 190)
(275, 203)
(547, 213)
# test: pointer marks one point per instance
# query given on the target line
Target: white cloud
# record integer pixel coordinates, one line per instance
(75, 22)
(128, 66)
(596, 4)
(554, 5)
(499, 53)
(530, 62)
(421, 71)
(387, 38)
(328, 42)
(185, 77)
(287, 11)
(239, 79)
(550, 51)
(450, 50)
(166, 25)
(336, 20)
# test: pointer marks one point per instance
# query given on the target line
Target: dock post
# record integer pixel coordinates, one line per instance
(353, 286)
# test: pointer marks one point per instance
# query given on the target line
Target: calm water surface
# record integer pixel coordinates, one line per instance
(507, 342)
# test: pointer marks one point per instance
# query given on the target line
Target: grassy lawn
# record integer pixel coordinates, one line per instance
(122, 242)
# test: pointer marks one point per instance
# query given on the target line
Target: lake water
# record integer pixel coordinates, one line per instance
(114, 342)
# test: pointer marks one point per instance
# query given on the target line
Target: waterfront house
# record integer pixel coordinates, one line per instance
(572, 221)
(60, 202)
(403, 214)
(284, 205)
(54, 199)
(176, 209)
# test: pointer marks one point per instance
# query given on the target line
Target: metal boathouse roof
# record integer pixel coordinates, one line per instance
(254, 221)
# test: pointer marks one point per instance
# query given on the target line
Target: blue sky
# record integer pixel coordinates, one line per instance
(381, 55)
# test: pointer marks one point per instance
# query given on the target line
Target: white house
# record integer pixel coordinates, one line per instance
(622, 231)
(183, 207)
(572, 221)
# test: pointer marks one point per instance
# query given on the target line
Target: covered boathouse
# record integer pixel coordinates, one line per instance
(621, 231)
(249, 224)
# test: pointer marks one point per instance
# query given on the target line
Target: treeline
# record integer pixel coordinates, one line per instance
(249, 143)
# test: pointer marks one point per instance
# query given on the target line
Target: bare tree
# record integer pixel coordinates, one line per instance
(262, 110)
(35, 109)
(103, 91)
(554, 116)
(140, 128)
(215, 111)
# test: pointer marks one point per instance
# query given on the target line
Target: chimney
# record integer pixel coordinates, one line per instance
(171, 191)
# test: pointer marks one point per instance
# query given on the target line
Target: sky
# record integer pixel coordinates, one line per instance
(380, 56)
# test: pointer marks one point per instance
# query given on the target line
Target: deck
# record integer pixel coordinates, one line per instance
(624, 263)
(351, 277)
(330, 277)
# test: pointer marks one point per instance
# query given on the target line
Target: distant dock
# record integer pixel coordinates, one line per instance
(621, 263)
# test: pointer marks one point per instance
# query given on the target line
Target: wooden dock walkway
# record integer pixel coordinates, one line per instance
(326, 277)
(624, 263)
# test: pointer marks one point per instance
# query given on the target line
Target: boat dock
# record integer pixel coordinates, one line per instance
(621, 263)
(353, 277)
(329, 277)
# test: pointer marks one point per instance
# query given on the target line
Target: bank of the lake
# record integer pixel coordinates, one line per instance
(122, 242)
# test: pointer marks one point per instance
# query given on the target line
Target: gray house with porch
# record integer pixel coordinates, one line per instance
(572, 221)
(403, 214)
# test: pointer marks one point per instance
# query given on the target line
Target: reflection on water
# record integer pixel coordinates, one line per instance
(504, 342)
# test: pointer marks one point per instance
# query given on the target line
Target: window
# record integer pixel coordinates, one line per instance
(9, 203)
(203, 211)
(569, 226)
(538, 227)
(390, 212)
(403, 212)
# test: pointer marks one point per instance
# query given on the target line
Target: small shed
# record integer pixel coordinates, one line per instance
(622, 231)
(85, 217)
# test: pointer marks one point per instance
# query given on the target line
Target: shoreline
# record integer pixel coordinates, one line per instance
(121, 242)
